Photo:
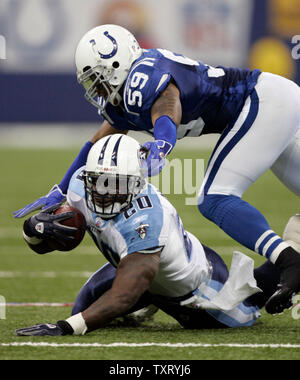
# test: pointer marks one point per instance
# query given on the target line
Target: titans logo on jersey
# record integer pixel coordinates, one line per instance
(211, 97)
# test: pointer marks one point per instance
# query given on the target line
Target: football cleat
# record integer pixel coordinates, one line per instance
(136, 318)
(145, 314)
(288, 263)
(280, 300)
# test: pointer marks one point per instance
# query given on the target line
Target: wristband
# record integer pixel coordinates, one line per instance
(32, 240)
(78, 324)
(165, 130)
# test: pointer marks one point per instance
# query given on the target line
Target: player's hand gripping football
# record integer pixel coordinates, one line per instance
(54, 197)
(47, 225)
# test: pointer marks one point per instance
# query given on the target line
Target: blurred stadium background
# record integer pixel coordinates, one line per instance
(40, 99)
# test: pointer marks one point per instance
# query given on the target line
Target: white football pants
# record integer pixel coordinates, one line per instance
(273, 141)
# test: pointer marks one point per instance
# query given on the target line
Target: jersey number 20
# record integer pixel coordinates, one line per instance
(142, 203)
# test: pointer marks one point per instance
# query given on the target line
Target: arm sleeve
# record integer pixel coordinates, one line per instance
(79, 161)
(165, 130)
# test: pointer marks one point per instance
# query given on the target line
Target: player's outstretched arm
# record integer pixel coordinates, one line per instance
(166, 115)
(134, 276)
(58, 192)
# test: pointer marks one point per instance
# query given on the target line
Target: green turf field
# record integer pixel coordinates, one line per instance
(57, 277)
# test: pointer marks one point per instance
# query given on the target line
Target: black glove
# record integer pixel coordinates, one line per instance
(58, 329)
(46, 225)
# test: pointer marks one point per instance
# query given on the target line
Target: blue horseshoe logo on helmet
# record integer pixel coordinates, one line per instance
(114, 50)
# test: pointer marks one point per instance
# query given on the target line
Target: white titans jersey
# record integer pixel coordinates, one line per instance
(150, 222)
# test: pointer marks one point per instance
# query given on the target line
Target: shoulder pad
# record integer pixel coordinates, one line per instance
(76, 185)
(142, 225)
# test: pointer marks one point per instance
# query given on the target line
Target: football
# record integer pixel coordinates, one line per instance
(78, 221)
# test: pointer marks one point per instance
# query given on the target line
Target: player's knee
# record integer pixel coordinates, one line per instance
(210, 205)
(205, 205)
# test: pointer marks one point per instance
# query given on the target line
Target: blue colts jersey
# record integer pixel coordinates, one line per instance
(211, 97)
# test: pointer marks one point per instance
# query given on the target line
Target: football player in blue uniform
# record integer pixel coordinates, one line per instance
(171, 96)
(153, 262)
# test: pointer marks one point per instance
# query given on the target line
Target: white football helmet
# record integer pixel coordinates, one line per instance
(115, 174)
(103, 59)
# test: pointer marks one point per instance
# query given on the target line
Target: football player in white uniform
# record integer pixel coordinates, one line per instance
(171, 96)
(152, 259)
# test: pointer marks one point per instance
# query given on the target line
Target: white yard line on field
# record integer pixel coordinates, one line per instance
(149, 344)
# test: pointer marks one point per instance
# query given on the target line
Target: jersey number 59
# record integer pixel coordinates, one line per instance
(137, 83)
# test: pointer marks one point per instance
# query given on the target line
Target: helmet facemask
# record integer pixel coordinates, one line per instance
(108, 194)
(99, 91)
